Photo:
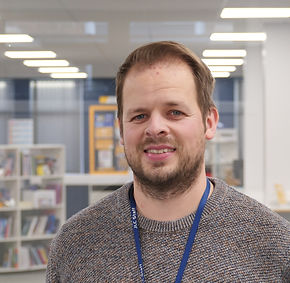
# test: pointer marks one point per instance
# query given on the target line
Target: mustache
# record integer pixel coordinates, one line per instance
(157, 141)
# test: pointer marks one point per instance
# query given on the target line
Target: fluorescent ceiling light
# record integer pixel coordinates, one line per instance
(42, 63)
(255, 13)
(10, 38)
(222, 68)
(69, 75)
(30, 54)
(225, 53)
(238, 36)
(223, 62)
(58, 70)
(220, 74)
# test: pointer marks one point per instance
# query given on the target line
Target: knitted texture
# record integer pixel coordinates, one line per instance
(238, 240)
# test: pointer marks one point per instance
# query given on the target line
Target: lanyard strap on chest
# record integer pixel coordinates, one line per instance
(190, 240)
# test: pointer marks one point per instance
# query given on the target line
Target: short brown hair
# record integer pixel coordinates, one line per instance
(159, 51)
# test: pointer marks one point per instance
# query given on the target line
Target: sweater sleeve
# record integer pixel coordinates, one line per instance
(286, 274)
(52, 270)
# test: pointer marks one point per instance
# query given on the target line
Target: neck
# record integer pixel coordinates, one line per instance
(173, 208)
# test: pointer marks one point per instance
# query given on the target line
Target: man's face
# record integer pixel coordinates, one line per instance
(163, 131)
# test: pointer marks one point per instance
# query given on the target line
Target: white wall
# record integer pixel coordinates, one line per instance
(277, 109)
(254, 124)
(266, 119)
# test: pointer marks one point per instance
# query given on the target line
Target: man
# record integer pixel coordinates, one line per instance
(172, 224)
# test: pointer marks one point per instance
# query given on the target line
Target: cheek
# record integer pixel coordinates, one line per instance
(190, 134)
(131, 135)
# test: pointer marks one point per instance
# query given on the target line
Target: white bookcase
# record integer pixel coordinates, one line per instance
(32, 204)
(98, 183)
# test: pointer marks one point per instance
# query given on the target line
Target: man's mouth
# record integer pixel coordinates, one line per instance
(159, 151)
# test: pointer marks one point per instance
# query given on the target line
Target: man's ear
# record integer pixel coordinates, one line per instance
(211, 123)
(121, 131)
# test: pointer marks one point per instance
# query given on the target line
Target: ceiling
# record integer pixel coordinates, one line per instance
(97, 35)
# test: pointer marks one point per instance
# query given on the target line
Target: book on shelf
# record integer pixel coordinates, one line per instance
(57, 188)
(38, 255)
(35, 259)
(52, 224)
(44, 165)
(39, 225)
(32, 225)
(29, 225)
(6, 227)
(5, 198)
(39, 198)
(44, 198)
(39, 165)
(7, 162)
(24, 257)
(26, 226)
(10, 258)
(26, 166)
(43, 253)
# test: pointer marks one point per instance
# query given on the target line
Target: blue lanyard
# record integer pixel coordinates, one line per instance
(190, 240)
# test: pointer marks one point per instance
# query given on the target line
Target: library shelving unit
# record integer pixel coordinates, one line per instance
(99, 185)
(32, 204)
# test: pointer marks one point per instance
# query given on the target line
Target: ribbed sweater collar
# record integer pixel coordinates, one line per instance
(184, 223)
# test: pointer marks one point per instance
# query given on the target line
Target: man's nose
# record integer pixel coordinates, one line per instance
(156, 126)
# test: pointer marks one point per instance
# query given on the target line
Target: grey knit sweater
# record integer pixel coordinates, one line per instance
(238, 240)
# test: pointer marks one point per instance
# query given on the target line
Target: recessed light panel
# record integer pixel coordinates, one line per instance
(58, 70)
(238, 36)
(11, 38)
(69, 75)
(48, 63)
(220, 74)
(30, 54)
(225, 53)
(222, 68)
(255, 13)
(223, 62)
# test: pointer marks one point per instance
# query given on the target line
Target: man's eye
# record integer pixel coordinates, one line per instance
(139, 117)
(176, 113)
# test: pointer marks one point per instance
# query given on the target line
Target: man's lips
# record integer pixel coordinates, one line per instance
(159, 149)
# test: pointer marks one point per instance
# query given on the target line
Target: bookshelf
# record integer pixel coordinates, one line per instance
(98, 185)
(106, 155)
(32, 204)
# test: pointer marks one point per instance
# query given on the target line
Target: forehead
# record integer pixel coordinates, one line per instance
(170, 71)
(162, 82)
(160, 64)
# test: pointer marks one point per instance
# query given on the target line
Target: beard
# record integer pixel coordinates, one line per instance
(160, 182)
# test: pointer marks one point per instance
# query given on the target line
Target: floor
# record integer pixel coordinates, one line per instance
(23, 277)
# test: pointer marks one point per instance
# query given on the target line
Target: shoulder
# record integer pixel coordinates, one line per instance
(108, 213)
(252, 226)
(89, 233)
(108, 207)
(244, 209)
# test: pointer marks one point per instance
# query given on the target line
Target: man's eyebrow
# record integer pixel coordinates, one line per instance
(143, 109)
(136, 110)
(174, 103)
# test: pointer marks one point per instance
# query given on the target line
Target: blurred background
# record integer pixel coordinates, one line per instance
(59, 140)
